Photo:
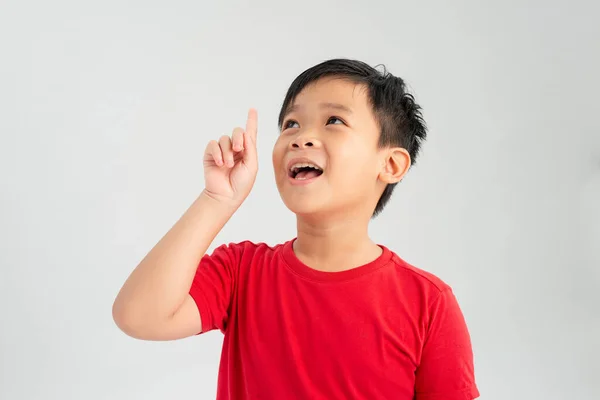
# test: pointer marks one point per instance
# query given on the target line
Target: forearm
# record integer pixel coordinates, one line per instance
(159, 284)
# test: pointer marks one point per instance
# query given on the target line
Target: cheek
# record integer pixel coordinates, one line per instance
(277, 155)
(276, 151)
(356, 164)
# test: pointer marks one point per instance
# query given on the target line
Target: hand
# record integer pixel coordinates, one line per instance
(230, 164)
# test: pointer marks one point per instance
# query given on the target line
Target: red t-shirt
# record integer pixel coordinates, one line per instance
(384, 330)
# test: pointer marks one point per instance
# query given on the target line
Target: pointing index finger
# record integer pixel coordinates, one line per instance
(252, 124)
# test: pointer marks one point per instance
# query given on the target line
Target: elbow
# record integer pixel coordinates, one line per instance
(124, 319)
(133, 322)
(119, 316)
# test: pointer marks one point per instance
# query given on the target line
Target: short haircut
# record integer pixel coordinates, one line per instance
(396, 111)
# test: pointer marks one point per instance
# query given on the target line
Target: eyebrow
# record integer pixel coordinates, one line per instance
(331, 106)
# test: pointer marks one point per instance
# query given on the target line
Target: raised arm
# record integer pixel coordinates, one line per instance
(154, 303)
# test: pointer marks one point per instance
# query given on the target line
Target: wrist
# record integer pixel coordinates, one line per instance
(220, 203)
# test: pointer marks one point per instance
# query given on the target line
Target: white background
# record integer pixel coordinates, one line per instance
(105, 109)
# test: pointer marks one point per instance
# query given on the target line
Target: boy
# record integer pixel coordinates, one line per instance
(329, 314)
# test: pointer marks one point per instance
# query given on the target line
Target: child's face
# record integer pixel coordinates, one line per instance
(332, 126)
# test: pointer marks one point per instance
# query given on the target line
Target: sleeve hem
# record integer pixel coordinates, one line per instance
(471, 393)
(205, 320)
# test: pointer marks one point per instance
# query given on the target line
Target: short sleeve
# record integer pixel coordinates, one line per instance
(446, 369)
(214, 284)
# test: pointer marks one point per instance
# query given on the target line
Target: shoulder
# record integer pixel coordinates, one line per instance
(426, 291)
(247, 250)
(422, 279)
(249, 246)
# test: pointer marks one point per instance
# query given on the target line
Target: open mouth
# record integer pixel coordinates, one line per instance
(304, 171)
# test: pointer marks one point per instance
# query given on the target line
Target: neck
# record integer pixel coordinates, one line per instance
(334, 245)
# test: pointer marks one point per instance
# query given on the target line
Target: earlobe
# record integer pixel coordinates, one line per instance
(395, 165)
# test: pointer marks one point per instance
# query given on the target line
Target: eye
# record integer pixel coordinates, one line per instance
(332, 120)
(290, 124)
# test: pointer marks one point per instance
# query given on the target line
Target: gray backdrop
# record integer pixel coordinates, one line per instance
(105, 109)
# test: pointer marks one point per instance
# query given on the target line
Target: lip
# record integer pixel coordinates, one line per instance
(301, 160)
(303, 182)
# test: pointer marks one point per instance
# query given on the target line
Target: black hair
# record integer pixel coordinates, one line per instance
(396, 111)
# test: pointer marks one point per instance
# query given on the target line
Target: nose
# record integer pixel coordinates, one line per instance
(304, 141)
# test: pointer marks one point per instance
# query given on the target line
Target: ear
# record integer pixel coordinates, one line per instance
(395, 164)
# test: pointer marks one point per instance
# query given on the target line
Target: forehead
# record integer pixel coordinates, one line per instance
(334, 91)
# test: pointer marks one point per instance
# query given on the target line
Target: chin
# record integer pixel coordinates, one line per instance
(303, 205)
(299, 207)
(319, 209)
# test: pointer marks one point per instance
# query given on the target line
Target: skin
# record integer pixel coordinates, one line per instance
(154, 303)
(331, 124)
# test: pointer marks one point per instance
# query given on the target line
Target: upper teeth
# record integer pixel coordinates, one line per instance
(297, 166)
